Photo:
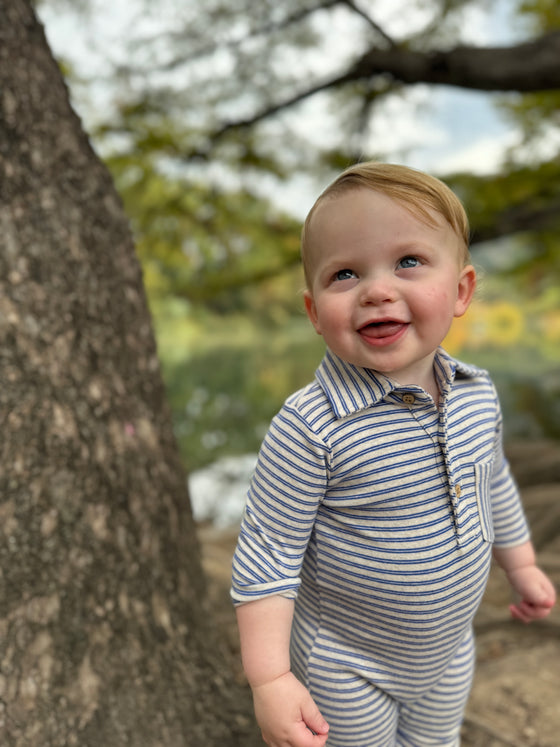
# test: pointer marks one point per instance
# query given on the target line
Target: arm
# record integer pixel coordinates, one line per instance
(537, 592)
(284, 709)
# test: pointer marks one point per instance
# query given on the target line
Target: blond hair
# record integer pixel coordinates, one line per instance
(417, 191)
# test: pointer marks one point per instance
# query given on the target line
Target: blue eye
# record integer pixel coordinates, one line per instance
(408, 262)
(344, 275)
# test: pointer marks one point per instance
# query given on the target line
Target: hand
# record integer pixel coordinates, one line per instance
(537, 593)
(287, 714)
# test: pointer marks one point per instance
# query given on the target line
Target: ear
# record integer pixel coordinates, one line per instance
(465, 290)
(311, 310)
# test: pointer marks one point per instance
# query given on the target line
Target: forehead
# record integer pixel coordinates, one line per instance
(366, 213)
(369, 202)
(359, 211)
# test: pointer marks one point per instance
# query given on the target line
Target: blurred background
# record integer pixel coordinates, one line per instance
(222, 120)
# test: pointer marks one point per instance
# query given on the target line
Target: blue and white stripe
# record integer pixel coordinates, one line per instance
(377, 511)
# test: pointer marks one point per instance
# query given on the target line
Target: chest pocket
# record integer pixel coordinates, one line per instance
(483, 475)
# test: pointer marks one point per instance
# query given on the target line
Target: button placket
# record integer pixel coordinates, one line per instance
(455, 490)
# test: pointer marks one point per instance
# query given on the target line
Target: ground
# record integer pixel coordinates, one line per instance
(515, 701)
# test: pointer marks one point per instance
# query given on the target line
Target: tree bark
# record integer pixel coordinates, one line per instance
(104, 636)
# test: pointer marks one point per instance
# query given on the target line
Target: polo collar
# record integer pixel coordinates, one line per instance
(350, 389)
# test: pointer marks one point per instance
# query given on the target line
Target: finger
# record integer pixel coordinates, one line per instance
(542, 600)
(313, 719)
(307, 738)
(528, 612)
(540, 609)
(517, 614)
(539, 612)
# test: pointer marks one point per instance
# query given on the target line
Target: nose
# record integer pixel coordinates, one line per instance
(378, 289)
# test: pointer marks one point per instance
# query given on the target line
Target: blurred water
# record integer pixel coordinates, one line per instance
(218, 492)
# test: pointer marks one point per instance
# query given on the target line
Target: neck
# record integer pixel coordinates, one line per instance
(433, 389)
(425, 379)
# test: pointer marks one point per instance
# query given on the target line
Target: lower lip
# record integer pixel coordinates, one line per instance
(379, 339)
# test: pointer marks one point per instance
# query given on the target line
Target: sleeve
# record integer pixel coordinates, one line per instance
(510, 524)
(284, 496)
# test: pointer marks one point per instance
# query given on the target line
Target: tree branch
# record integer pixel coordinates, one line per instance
(267, 112)
(525, 67)
(211, 47)
(519, 218)
(529, 66)
(374, 25)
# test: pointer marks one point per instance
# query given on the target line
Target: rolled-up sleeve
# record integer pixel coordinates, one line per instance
(285, 493)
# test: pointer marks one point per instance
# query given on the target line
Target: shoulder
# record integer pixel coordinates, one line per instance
(463, 373)
(472, 403)
(468, 388)
(296, 434)
(306, 400)
(307, 409)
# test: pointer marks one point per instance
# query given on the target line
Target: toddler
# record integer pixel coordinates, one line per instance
(381, 489)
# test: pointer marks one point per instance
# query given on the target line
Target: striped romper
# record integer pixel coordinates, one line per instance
(376, 511)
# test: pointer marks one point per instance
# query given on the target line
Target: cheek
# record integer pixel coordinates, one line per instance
(436, 299)
(326, 318)
(331, 317)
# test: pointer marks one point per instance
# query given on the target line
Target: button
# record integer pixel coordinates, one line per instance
(458, 490)
(409, 399)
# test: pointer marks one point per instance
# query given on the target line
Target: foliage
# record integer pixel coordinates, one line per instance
(205, 123)
(537, 113)
(228, 376)
(543, 15)
(214, 107)
(210, 108)
(201, 242)
(524, 202)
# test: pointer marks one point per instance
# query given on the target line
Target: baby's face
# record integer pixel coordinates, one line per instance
(385, 285)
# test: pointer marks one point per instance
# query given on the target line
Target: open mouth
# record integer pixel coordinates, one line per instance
(381, 330)
(384, 333)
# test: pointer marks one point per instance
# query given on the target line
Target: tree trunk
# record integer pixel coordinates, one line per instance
(104, 637)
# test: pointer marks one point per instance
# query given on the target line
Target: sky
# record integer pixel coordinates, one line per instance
(438, 129)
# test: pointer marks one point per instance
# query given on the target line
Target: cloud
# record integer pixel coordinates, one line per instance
(484, 155)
